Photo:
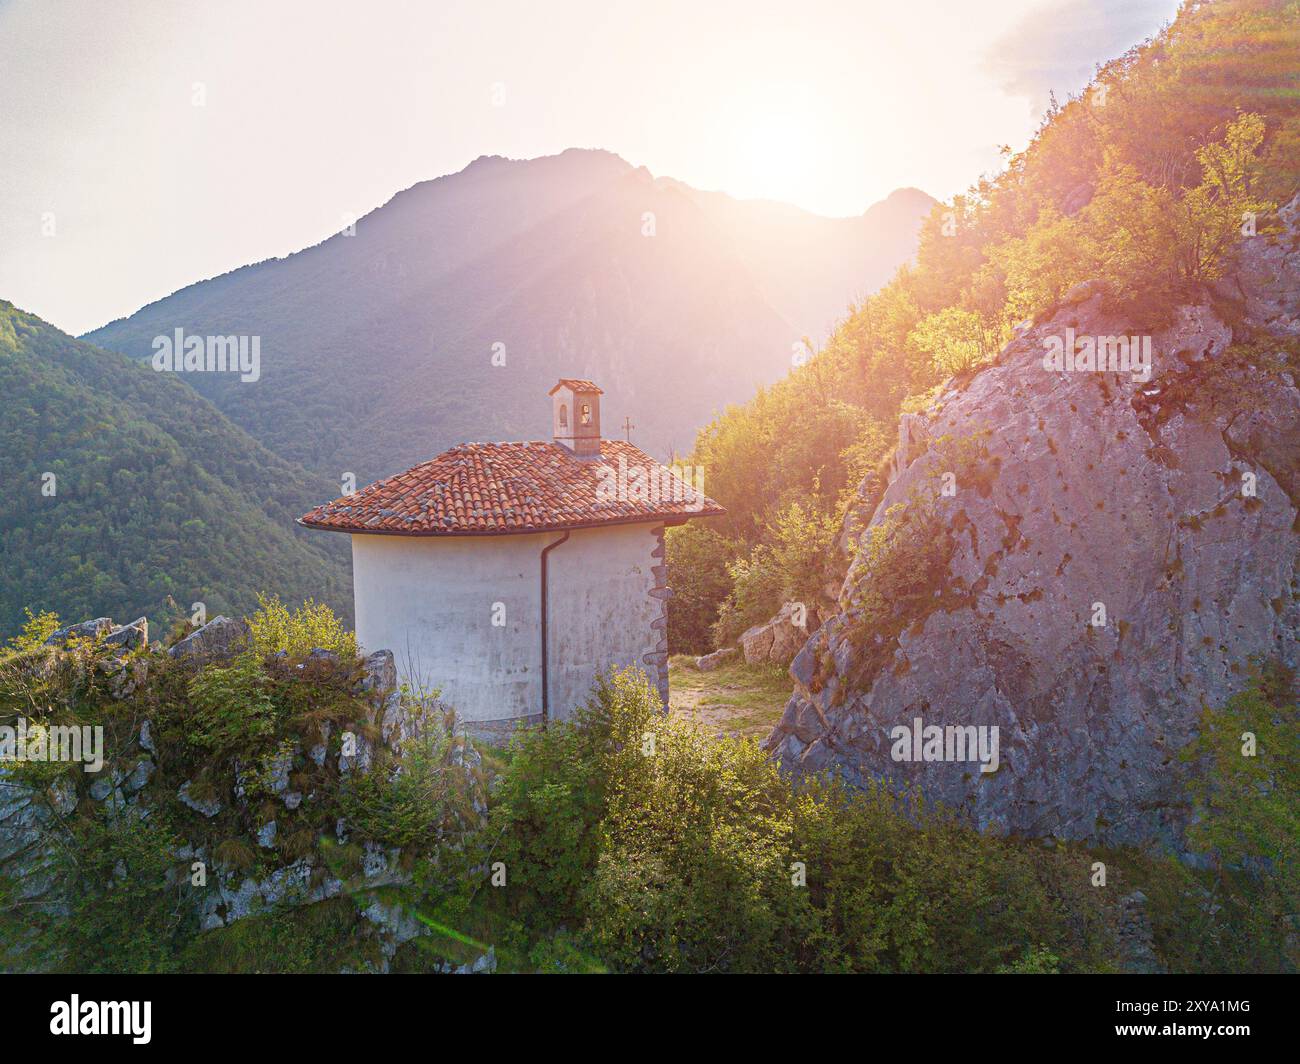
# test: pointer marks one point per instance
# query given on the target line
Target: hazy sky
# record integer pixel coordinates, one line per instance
(148, 145)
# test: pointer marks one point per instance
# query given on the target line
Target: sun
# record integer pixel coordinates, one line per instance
(777, 146)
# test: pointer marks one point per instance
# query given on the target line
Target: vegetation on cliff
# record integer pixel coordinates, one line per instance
(1145, 182)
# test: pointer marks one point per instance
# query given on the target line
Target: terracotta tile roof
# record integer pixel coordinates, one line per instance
(577, 385)
(501, 488)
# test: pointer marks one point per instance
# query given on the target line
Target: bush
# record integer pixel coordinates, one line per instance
(757, 585)
(899, 887)
(313, 625)
(662, 849)
(124, 916)
(797, 564)
(548, 804)
(902, 561)
(692, 873)
(1248, 792)
(697, 573)
(954, 340)
(233, 711)
(37, 628)
(424, 802)
(632, 841)
(1246, 789)
(317, 938)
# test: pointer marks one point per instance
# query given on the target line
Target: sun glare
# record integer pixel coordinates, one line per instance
(777, 147)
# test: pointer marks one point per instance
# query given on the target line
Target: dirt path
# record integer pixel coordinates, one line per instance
(738, 699)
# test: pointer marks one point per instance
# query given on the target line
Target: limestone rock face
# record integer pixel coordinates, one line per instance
(33, 836)
(129, 636)
(709, 662)
(1116, 552)
(88, 630)
(209, 807)
(27, 854)
(781, 638)
(380, 672)
(1136, 938)
(219, 638)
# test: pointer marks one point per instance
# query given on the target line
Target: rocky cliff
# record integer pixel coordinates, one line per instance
(248, 833)
(1081, 559)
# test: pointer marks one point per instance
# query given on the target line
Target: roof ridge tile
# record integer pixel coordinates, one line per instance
(501, 488)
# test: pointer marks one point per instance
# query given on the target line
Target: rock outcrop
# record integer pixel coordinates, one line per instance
(219, 638)
(34, 817)
(1111, 552)
(778, 640)
(85, 630)
(716, 660)
(129, 636)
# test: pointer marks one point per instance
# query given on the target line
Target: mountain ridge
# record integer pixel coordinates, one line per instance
(916, 198)
(579, 263)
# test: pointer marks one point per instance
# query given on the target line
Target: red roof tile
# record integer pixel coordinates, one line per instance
(577, 385)
(500, 488)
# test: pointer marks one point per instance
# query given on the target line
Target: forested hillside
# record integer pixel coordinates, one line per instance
(125, 490)
(1144, 183)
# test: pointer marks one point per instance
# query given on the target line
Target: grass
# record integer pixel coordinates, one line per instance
(735, 699)
(318, 938)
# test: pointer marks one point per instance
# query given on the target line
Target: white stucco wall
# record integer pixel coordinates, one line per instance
(430, 600)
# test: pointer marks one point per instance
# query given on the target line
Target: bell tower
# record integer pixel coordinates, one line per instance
(575, 416)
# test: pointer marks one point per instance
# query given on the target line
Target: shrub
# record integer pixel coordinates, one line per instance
(662, 849)
(954, 340)
(1036, 960)
(1246, 790)
(313, 625)
(233, 711)
(37, 628)
(426, 800)
(692, 873)
(124, 916)
(697, 573)
(317, 938)
(900, 887)
(548, 803)
(756, 593)
(797, 564)
(902, 561)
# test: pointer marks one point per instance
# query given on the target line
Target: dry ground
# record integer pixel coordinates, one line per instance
(736, 699)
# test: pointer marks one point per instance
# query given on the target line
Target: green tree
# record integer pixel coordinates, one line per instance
(1216, 211)
(954, 340)
(697, 573)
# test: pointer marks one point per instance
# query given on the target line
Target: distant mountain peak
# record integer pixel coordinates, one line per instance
(550, 261)
(907, 199)
(909, 192)
(570, 156)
